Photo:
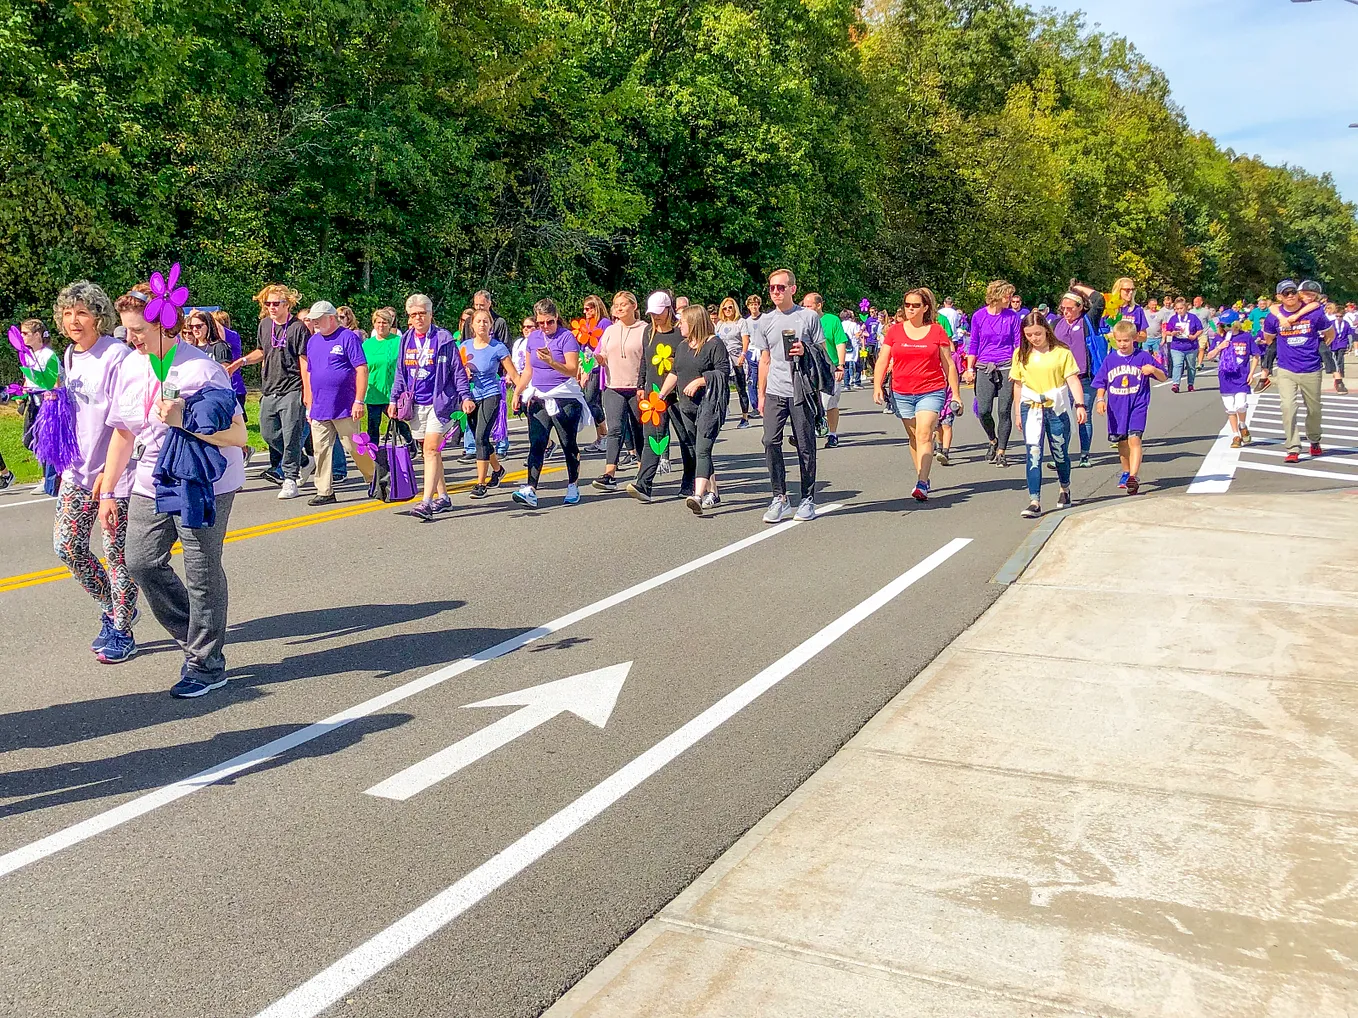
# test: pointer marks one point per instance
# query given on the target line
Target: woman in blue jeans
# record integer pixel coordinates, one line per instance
(1046, 380)
(1182, 330)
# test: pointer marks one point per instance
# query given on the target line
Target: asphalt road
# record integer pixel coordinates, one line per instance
(123, 893)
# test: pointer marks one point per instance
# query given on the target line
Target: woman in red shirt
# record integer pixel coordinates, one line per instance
(918, 355)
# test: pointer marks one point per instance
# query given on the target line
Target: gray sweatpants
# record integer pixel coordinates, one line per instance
(194, 615)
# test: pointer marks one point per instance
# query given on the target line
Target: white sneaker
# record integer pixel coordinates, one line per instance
(289, 489)
(308, 468)
(779, 509)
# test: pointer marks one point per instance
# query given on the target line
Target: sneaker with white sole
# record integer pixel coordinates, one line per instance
(526, 496)
(711, 500)
(190, 686)
(695, 505)
(119, 647)
(289, 489)
(806, 511)
(779, 509)
(572, 494)
(1033, 511)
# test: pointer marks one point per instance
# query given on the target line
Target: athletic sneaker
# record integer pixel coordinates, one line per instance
(695, 505)
(1341, 388)
(1174, 387)
(572, 495)
(274, 477)
(526, 496)
(308, 468)
(711, 500)
(779, 509)
(1001, 459)
(480, 491)
(1063, 498)
(190, 686)
(942, 456)
(992, 451)
(1292, 457)
(1084, 461)
(744, 423)
(1133, 484)
(119, 647)
(105, 631)
(832, 441)
(1315, 450)
(442, 504)
(1190, 388)
(422, 511)
(606, 483)
(638, 494)
(6, 479)
(1236, 441)
(496, 476)
(921, 492)
(289, 489)
(627, 459)
(1033, 511)
(1122, 481)
(552, 451)
(339, 478)
(1245, 436)
(322, 500)
(467, 455)
(601, 445)
(806, 511)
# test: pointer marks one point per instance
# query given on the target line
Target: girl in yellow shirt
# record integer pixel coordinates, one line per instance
(1046, 380)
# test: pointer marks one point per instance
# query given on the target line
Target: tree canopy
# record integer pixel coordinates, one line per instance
(363, 151)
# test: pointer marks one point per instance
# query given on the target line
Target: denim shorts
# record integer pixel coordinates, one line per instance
(930, 402)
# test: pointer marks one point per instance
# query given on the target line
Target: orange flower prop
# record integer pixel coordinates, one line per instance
(653, 409)
(587, 332)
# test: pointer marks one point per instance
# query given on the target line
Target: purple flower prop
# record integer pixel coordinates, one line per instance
(14, 389)
(16, 340)
(864, 304)
(364, 446)
(168, 299)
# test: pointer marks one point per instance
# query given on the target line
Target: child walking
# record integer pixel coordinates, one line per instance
(1123, 393)
(1235, 367)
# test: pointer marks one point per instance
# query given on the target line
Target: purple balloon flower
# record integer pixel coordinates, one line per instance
(168, 299)
(16, 340)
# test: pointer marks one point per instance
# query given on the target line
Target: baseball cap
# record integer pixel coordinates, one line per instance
(322, 307)
(657, 303)
(1285, 285)
(1311, 286)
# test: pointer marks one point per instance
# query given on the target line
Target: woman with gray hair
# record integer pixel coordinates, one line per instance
(84, 314)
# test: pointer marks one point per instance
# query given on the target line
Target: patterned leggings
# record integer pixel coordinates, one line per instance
(77, 517)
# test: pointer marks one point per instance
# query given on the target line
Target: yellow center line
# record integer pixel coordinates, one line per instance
(36, 579)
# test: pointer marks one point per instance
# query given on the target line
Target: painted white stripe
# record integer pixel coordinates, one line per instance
(28, 501)
(1217, 472)
(143, 804)
(370, 958)
(1326, 423)
(1327, 474)
(1305, 457)
(1337, 449)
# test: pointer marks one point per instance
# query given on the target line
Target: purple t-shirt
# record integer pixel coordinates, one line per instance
(559, 344)
(1299, 343)
(1136, 313)
(1074, 337)
(1237, 380)
(994, 338)
(1128, 391)
(418, 354)
(1343, 334)
(332, 362)
(1182, 331)
(91, 378)
(233, 341)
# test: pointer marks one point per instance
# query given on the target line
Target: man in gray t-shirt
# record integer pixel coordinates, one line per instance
(777, 395)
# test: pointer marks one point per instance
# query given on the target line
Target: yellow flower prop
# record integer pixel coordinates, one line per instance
(653, 408)
(663, 361)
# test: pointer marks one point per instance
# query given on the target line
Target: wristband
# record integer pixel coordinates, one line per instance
(105, 495)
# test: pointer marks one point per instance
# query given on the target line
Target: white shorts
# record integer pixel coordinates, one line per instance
(1235, 402)
(425, 421)
(832, 402)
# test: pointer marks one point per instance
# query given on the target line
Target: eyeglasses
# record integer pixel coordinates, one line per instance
(912, 307)
(197, 326)
(779, 287)
(273, 303)
(1289, 292)
(542, 323)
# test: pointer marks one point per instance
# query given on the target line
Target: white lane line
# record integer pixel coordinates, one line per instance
(1337, 449)
(142, 804)
(30, 501)
(1217, 472)
(371, 957)
(1327, 423)
(1305, 471)
(1305, 457)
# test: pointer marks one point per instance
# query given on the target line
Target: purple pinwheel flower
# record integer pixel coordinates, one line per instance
(14, 389)
(168, 299)
(864, 304)
(364, 446)
(16, 340)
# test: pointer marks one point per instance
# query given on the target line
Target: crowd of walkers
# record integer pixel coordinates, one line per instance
(140, 423)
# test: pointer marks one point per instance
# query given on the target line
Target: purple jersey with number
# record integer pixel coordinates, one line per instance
(1127, 390)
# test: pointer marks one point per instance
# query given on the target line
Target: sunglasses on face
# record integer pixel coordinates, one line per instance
(273, 303)
(1288, 293)
(542, 323)
(912, 307)
(779, 287)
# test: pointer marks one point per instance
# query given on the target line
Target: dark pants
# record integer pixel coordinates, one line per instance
(195, 615)
(1333, 359)
(738, 372)
(1270, 358)
(991, 385)
(483, 423)
(282, 422)
(624, 424)
(697, 432)
(376, 411)
(540, 426)
(650, 459)
(594, 398)
(780, 410)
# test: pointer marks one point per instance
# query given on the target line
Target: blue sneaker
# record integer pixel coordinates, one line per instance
(921, 492)
(441, 505)
(106, 630)
(1122, 481)
(119, 647)
(572, 495)
(190, 686)
(526, 496)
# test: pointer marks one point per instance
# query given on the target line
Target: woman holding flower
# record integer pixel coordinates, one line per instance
(588, 332)
(657, 360)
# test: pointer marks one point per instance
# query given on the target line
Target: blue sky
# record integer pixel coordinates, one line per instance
(1214, 53)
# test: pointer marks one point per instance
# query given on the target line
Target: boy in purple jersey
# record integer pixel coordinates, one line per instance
(1235, 365)
(1124, 394)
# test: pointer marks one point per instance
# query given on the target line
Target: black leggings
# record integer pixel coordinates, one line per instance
(624, 424)
(540, 426)
(990, 385)
(483, 423)
(594, 398)
(696, 433)
(742, 384)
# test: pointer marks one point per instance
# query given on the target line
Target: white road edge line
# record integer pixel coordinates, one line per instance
(166, 794)
(388, 946)
(28, 501)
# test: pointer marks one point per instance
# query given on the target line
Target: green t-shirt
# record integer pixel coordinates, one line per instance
(947, 325)
(1256, 318)
(381, 355)
(834, 336)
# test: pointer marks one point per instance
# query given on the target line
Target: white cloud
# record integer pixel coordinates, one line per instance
(1265, 77)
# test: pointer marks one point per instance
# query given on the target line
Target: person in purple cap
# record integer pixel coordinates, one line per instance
(1296, 334)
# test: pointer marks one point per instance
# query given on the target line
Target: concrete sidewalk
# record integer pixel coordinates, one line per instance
(1131, 788)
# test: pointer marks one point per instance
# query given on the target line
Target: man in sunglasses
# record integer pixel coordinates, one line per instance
(282, 341)
(782, 337)
(1297, 337)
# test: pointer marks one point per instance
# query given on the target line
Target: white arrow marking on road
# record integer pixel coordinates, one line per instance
(589, 696)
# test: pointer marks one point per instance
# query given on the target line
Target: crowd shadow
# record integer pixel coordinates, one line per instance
(139, 770)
